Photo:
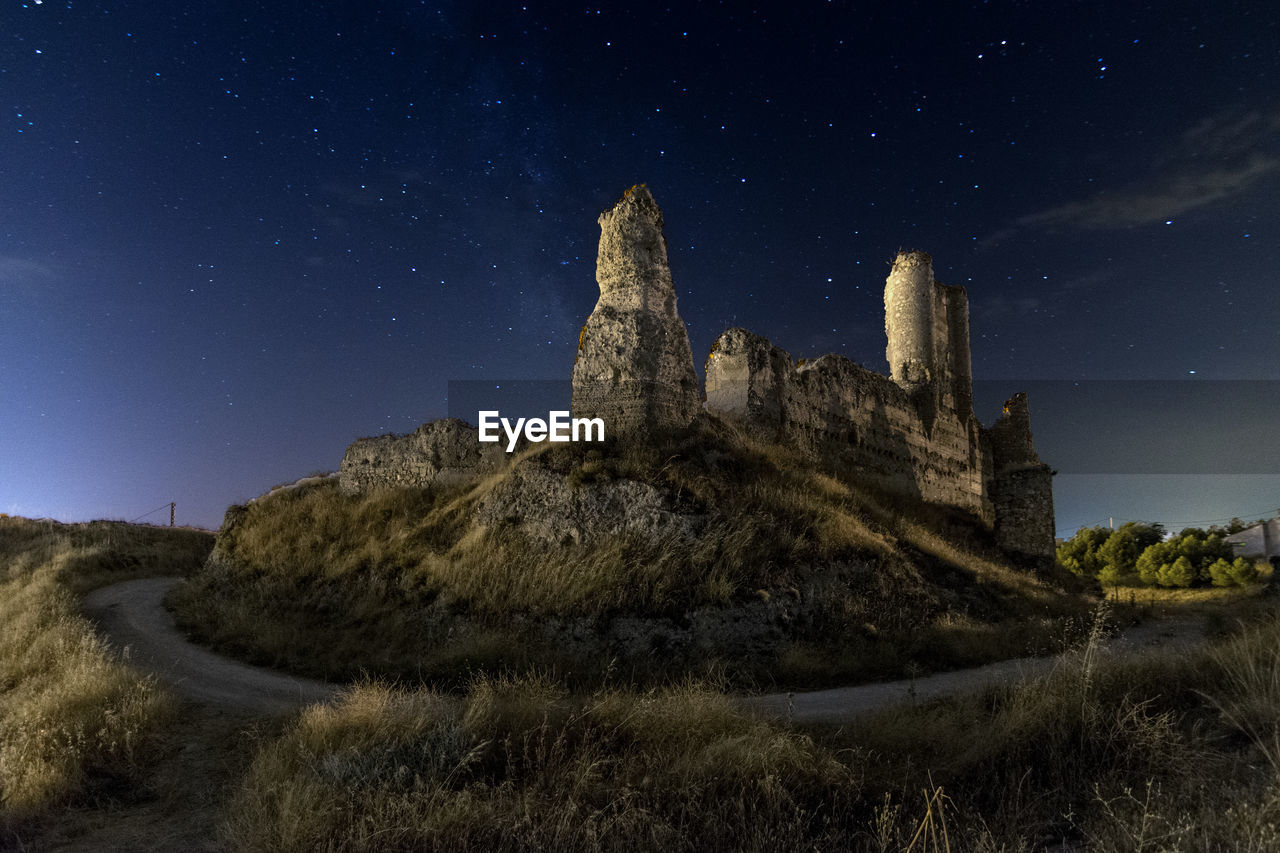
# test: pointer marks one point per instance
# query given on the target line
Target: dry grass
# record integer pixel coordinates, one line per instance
(519, 765)
(71, 717)
(765, 516)
(1176, 752)
(1153, 753)
(1143, 753)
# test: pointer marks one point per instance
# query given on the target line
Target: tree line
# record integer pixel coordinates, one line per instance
(1141, 554)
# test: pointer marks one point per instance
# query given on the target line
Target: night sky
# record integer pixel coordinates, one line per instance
(234, 237)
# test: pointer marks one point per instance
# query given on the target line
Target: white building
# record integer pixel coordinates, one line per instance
(1259, 541)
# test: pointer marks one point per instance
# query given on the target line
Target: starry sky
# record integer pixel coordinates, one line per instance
(235, 236)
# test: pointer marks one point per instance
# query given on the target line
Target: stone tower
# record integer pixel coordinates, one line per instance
(927, 326)
(956, 361)
(908, 321)
(1022, 486)
(634, 367)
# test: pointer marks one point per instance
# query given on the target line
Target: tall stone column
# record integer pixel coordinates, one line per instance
(908, 320)
(634, 367)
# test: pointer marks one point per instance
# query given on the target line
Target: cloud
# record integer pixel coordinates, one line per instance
(1221, 157)
(25, 281)
(23, 271)
(1172, 196)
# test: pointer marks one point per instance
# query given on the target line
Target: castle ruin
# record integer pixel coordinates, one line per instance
(912, 433)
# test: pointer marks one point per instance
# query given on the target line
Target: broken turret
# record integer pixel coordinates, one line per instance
(634, 367)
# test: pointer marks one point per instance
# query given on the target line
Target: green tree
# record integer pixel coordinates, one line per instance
(1152, 559)
(1110, 576)
(1201, 548)
(1244, 571)
(1190, 544)
(1119, 554)
(1179, 573)
(1079, 554)
(1220, 574)
(1145, 534)
(1238, 572)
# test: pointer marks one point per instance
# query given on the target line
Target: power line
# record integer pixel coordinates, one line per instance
(152, 512)
(1262, 513)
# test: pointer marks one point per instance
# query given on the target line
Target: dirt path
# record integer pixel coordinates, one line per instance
(132, 617)
(228, 710)
(842, 704)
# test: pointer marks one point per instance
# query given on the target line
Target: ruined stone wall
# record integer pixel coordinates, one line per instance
(959, 362)
(913, 433)
(442, 452)
(634, 367)
(831, 408)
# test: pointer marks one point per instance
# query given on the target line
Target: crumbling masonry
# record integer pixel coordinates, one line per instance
(912, 433)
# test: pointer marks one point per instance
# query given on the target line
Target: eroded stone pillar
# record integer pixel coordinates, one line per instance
(634, 367)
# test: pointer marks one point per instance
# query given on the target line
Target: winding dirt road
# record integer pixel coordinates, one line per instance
(132, 617)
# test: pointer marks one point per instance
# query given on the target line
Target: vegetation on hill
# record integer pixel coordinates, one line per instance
(1138, 554)
(72, 719)
(1160, 752)
(1169, 751)
(403, 583)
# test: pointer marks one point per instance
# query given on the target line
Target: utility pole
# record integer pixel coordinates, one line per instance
(172, 504)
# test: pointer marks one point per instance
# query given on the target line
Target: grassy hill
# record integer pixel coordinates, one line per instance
(759, 567)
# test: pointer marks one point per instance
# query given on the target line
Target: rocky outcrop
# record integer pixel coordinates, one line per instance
(442, 452)
(544, 505)
(634, 367)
